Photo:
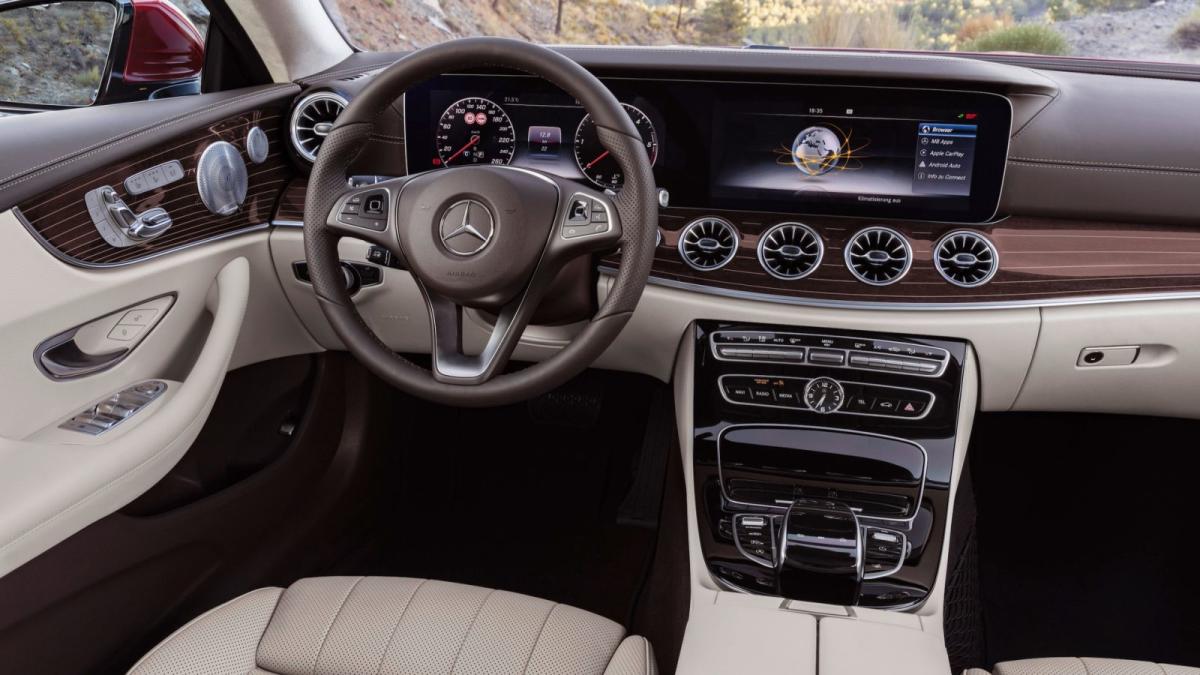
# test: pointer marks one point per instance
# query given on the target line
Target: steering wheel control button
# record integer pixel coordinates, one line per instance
(585, 216)
(368, 210)
(115, 409)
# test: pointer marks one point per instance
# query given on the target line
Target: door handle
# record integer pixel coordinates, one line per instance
(100, 343)
(61, 358)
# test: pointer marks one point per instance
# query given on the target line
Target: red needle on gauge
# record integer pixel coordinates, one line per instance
(473, 141)
(593, 162)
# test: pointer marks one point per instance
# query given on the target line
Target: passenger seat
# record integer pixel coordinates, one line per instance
(1083, 666)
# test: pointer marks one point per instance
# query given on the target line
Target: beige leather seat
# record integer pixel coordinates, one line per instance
(1083, 666)
(382, 626)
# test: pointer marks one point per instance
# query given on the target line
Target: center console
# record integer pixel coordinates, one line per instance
(823, 460)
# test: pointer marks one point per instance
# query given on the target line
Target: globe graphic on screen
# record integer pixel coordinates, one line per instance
(817, 150)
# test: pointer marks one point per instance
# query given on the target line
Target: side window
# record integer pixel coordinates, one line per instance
(70, 53)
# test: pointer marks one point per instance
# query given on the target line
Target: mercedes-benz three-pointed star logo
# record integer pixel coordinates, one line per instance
(467, 227)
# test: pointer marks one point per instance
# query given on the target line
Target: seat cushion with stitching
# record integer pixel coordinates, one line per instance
(396, 626)
(1083, 666)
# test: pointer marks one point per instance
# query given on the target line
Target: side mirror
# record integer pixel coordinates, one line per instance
(71, 53)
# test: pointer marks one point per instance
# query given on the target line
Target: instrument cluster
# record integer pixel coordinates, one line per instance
(478, 130)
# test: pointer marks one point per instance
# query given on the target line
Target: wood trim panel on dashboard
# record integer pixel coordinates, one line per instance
(62, 222)
(1040, 259)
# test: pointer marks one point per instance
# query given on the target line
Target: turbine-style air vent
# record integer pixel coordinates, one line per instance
(790, 251)
(708, 243)
(966, 258)
(313, 119)
(878, 256)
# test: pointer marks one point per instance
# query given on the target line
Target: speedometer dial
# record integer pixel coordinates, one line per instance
(475, 131)
(596, 163)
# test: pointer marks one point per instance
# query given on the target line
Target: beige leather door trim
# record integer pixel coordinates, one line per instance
(56, 482)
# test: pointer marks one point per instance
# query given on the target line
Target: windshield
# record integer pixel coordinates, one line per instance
(1144, 30)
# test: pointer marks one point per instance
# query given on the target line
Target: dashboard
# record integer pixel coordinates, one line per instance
(808, 149)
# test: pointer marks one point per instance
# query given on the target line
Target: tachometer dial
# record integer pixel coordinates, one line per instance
(824, 395)
(475, 131)
(596, 163)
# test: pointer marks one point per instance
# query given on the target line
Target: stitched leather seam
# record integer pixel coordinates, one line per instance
(63, 160)
(396, 628)
(1097, 169)
(1048, 160)
(329, 628)
(470, 627)
(538, 639)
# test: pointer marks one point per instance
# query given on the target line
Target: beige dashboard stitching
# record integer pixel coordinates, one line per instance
(18, 178)
(1048, 160)
(1048, 165)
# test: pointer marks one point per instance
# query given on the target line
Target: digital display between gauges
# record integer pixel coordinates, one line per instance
(475, 131)
(594, 160)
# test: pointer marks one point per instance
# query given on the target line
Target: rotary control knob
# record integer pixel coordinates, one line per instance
(824, 395)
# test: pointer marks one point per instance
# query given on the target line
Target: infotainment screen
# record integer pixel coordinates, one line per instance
(780, 147)
(917, 154)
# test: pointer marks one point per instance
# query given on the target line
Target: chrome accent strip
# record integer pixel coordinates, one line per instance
(908, 306)
(285, 222)
(967, 233)
(776, 507)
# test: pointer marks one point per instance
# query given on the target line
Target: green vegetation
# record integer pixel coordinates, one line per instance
(1187, 34)
(723, 22)
(1030, 38)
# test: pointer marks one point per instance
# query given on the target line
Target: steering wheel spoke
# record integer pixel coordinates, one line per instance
(451, 364)
(369, 213)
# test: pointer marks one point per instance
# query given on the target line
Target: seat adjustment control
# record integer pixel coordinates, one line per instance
(118, 224)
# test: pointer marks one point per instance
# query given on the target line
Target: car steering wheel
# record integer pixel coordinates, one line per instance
(486, 237)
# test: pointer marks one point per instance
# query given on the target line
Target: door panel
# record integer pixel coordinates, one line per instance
(63, 271)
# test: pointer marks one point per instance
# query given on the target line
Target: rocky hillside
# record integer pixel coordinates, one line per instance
(381, 25)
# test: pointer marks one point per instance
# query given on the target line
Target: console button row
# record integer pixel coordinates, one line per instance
(888, 355)
(884, 551)
(755, 537)
(860, 398)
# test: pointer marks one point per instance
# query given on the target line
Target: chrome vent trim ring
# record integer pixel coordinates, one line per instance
(966, 259)
(309, 119)
(878, 256)
(790, 251)
(708, 243)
